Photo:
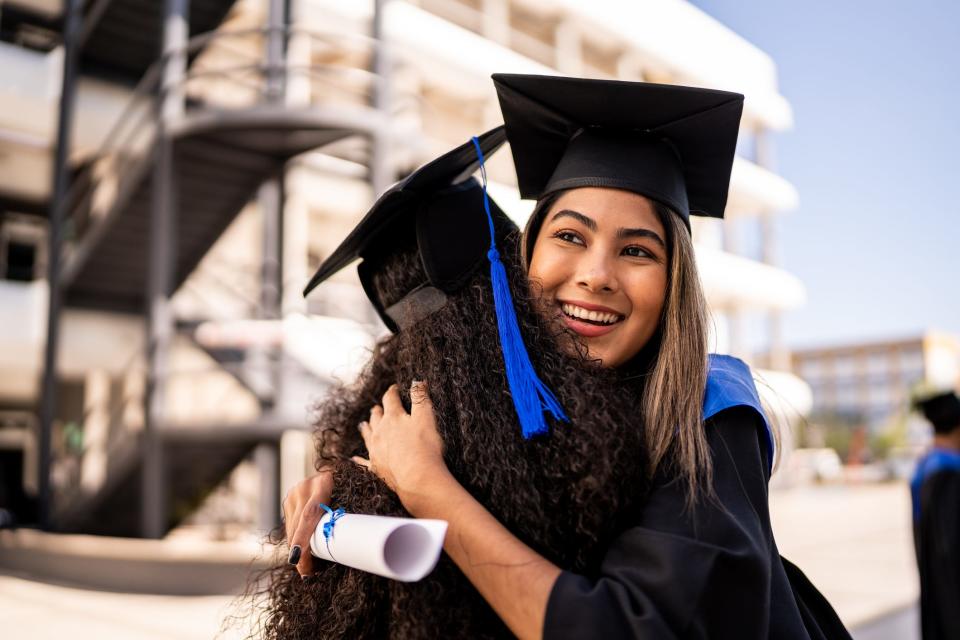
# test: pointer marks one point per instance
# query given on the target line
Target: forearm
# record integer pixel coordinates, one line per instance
(514, 579)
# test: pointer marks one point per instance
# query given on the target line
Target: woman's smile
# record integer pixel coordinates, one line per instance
(589, 320)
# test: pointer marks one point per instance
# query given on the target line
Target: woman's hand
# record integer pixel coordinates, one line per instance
(407, 453)
(301, 515)
(405, 450)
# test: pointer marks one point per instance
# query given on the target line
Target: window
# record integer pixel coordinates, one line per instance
(21, 248)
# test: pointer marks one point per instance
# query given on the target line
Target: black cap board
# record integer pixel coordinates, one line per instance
(672, 144)
(942, 410)
(456, 228)
(440, 208)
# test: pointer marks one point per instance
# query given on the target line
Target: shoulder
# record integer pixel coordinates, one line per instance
(935, 464)
(731, 401)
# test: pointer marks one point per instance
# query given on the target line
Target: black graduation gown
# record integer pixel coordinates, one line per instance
(715, 573)
(937, 538)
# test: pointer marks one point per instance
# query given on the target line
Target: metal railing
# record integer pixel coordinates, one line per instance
(227, 74)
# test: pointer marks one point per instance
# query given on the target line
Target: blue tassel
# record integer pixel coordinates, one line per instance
(531, 397)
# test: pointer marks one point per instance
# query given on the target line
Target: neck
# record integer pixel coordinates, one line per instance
(948, 440)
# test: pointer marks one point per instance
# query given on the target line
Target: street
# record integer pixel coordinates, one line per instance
(853, 542)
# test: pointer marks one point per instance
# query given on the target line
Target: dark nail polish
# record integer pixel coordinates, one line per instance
(294, 554)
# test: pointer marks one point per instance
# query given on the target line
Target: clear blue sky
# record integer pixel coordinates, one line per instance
(875, 155)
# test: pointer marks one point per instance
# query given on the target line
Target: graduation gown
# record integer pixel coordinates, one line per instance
(714, 572)
(936, 532)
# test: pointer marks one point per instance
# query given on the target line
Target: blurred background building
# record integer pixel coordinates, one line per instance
(186, 358)
(172, 172)
(862, 394)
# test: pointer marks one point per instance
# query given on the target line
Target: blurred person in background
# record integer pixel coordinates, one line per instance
(935, 490)
(617, 168)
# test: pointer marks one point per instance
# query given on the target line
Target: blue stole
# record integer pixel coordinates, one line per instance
(730, 384)
(932, 462)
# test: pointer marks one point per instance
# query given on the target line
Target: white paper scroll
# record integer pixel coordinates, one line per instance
(405, 549)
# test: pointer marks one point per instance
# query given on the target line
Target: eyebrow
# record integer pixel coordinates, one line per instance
(589, 223)
(622, 232)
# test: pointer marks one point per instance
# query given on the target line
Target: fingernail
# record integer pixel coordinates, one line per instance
(294, 554)
(417, 383)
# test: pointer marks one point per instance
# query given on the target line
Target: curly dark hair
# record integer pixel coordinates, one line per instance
(566, 495)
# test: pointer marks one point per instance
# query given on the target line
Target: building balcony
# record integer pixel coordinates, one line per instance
(735, 283)
(29, 97)
(712, 55)
(88, 340)
(755, 191)
(695, 47)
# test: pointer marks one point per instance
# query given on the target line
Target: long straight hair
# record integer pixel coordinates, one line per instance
(677, 376)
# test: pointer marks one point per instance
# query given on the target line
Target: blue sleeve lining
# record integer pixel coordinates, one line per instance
(935, 461)
(730, 384)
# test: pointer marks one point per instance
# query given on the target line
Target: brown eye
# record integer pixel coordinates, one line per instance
(568, 236)
(635, 251)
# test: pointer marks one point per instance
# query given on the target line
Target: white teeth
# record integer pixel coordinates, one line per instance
(593, 316)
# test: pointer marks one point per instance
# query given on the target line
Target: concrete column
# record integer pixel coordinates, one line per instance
(496, 21)
(96, 430)
(569, 53)
(267, 459)
(72, 26)
(163, 260)
(630, 66)
(296, 249)
(276, 39)
(381, 167)
(270, 199)
(735, 321)
(298, 53)
(777, 347)
(296, 458)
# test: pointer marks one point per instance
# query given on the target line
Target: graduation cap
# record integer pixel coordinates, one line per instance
(448, 216)
(672, 144)
(451, 246)
(942, 410)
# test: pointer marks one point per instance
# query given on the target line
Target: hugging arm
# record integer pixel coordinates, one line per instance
(674, 574)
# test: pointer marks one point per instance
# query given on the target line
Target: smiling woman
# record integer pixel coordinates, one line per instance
(619, 269)
(644, 517)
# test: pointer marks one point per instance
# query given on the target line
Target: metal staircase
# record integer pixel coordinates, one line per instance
(212, 157)
(220, 163)
(196, 461)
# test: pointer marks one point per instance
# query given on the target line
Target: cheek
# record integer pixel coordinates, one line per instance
(647, 295)
(546, 270)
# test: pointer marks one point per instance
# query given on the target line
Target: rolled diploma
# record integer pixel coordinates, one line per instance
(405, 549)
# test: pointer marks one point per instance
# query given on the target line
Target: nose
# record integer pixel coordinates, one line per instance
(596, 274)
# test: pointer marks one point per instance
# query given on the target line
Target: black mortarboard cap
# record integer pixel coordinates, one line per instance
(942, 410)
(456, 227)
(439, 207)
(670, 143)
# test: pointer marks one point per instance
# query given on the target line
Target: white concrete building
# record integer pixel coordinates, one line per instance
(440, 56)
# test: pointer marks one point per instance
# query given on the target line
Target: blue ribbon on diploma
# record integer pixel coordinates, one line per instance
(328, 525)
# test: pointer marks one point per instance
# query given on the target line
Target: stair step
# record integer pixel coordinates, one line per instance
(216, 178)
(193, 469)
